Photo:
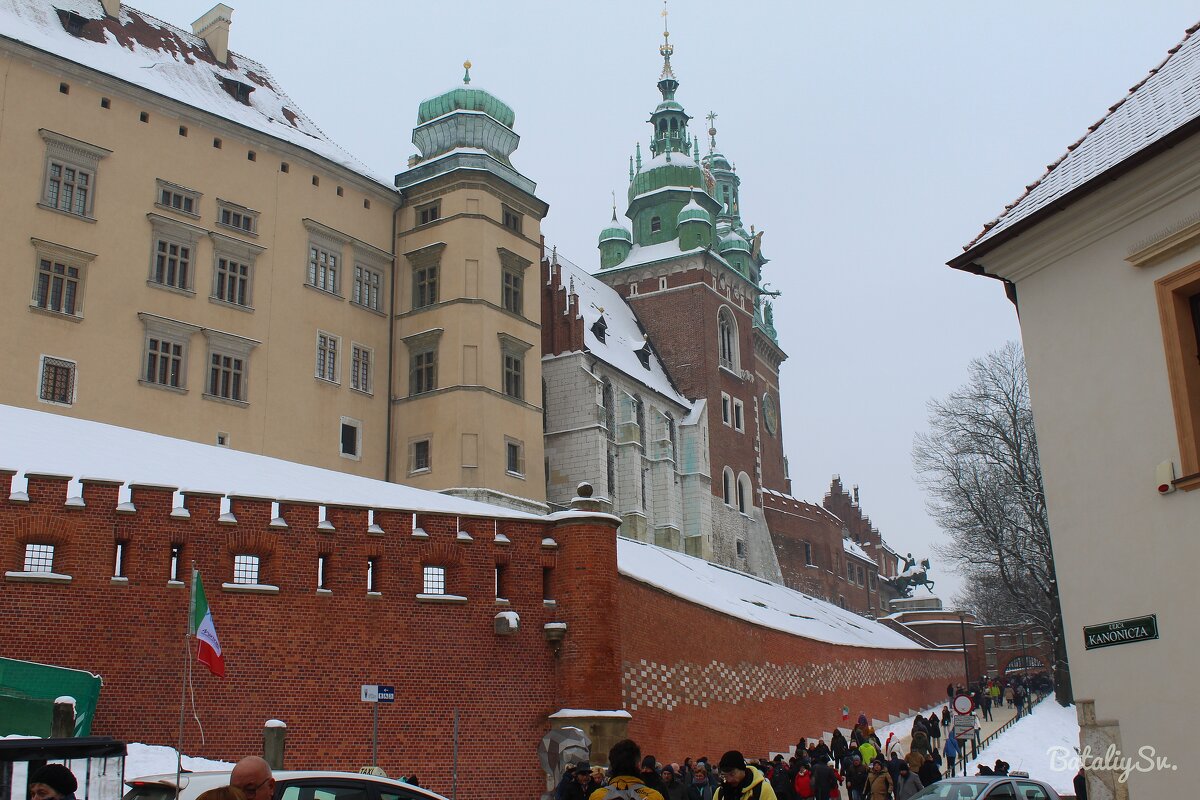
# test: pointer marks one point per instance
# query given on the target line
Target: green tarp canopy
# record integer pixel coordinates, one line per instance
(28, 691)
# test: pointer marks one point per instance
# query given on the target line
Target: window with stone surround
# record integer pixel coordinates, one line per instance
(512, 353)
(228, 377)
(237, 217)
(362, 359)
(325, 247)
(433, 579)
(173, 253)
(425, 265)
(727, 339)
(176, 198)
(60, 274)
(245, 569)
(512, 276)
(233, 270)
(38, 557)
(165, 351)
(57, 382)
(328, 351)
(422, 360)
(70, 168)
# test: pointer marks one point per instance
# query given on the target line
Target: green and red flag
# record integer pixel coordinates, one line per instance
(209, 652)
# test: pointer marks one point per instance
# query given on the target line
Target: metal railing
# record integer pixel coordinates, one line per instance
(975, 748)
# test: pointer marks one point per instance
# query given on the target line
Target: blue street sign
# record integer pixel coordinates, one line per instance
(387, 694)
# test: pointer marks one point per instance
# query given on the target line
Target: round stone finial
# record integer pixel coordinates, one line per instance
(584, 489)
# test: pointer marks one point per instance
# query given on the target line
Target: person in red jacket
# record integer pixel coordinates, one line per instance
(803, 785)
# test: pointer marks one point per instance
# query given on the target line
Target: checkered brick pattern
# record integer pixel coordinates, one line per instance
(649, 684)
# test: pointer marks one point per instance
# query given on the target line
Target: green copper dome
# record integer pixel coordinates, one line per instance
(465, 98)
(694, 211)
(732, 241)
(658, 173)
(617, 231)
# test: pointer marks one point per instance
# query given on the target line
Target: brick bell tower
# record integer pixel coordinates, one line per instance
(692, 274)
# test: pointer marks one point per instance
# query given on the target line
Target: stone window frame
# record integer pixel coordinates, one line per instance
(330, 243)
(413, 442)
(235, 211)
(745, 494)
(509, 444)
(512, 219)
(728, 486)
(512, 360)
(238, 252)
(328, 363)
(512, 292)
(71, 153)
(68, 258)
(166, 192)
(169, 330)
(425, 268)
(244, 567)
(739, 416)
(726, 409)
(357, 425)
(427, 213)
(424, 343)
(181, 234)
(1179, 317)
(61, 363)
(727, 339)
(231, 346)
(362, 368)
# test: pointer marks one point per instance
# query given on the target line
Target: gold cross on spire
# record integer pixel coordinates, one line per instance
(712, 130)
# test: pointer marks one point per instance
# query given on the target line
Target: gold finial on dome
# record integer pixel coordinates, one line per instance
(467, 71)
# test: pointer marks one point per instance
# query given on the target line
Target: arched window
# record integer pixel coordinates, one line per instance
(674, 124)
(671, 436)
(655, 224)
(662, 125)
(728, 338)
(727, 486)
(745, 494)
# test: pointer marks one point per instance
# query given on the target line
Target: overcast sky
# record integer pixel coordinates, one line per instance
(873, 140)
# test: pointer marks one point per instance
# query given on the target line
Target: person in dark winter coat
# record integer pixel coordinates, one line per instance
(946, 719)
(1080, 784)
(951, 751)
(824, 779)
(838, 745)
(821, 753)
(672, 787)
(52, 782)
(929, 772)
(893, 766)
(907, 784)
(856, 778)
(576, 783)
(781, 780)
(935, 730)
(701, 788)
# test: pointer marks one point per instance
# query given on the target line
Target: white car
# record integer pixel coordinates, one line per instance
(289, 785)
(988, 787)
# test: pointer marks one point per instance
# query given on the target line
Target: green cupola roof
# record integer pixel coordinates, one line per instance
(466, 98)
(615, 231)
(732, 241)
(694, 211)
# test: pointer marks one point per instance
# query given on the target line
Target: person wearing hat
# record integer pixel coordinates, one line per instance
(576, 783)
(701, 787)
(52, 782)
(879, 782)
(672, 786)
(907, 784)
(626, 782)
(856, 778)
(740, 781)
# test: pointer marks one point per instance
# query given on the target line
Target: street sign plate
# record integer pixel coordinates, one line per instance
(963, 704)
(387, 694)
(963, 726)
(1125, 631)
(370, 693)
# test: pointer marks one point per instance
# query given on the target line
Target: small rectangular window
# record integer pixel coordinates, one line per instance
(143, 117)
(368, 283)
(433, 580)
(514, 457)
(425, 286)
(738, 414)
(547, 583)
(119, 561)
(245, 569)
(64, 88)
(726, 408)
(372, 574)
(513, 381)
(323, 268)
(366, 202)
(513, 291)
(501, 583)
(164, 362)
(422, 372)
(340, 191)
(177, 198)
(231, 281)
(216, 143)
(239, 218)
(39, 558)
(429, 213)
(173, 567)
(251, 155)
(284, 166)
(183, 130)
(511, 219)
(105, 102)
(316, 181)
(222, 439)
(172, 264)
(58, 381)
(808, 554)
(226, 376)
(351, 438)
(419, 456)
(322, 563)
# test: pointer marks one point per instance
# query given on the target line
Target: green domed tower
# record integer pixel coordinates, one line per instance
(672, 177)
(615, 242)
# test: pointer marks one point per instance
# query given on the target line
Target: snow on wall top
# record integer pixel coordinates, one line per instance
(147, 52)
(43, 443)
(853, 548)
(623, 335)
(1161, 103)
(738, 594)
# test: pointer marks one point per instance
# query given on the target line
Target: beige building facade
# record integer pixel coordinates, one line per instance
(1103, 258)
(189, 255)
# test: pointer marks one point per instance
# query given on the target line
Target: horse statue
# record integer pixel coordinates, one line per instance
(911, 577)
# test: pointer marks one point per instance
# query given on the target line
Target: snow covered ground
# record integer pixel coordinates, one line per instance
(1043, 743)
(147, 759)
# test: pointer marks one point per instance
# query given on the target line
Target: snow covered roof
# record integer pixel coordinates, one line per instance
(623, 335)
(855, 549)
(147, 52)
(42, 443)
(1160, 105)
(738, 594)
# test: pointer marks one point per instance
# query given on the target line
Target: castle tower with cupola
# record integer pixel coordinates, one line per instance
(692, 274)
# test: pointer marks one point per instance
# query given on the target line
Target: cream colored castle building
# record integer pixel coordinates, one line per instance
(188, 254)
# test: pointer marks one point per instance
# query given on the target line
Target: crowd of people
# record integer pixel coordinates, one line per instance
(857, 767)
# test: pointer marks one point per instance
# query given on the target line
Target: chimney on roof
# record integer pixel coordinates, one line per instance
(856, 494)
(112, 8)
(213, 28)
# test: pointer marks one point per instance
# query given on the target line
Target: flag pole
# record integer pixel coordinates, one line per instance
(187, 676)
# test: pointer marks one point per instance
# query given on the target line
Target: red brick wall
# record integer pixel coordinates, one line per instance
(698, 682)
(300, 656)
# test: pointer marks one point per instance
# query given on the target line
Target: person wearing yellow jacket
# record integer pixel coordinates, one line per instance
(624, 760)
(740, 781)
